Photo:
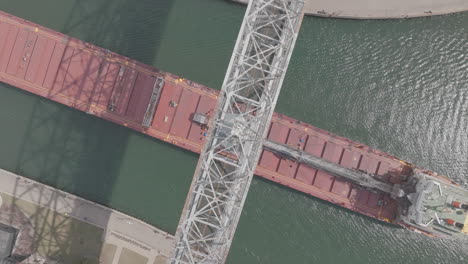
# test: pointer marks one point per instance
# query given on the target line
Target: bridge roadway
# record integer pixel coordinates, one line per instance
(90, 79)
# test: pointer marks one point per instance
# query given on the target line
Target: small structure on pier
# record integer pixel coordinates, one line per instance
(7, 242)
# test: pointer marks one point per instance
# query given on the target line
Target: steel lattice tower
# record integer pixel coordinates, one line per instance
(245, 106)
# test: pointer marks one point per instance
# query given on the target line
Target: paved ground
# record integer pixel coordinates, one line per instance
(68, 228)
(381, 9)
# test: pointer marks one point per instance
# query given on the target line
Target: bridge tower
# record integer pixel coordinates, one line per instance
(245, 106)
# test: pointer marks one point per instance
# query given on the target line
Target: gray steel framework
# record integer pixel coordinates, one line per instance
(359, 177)
(245, 107)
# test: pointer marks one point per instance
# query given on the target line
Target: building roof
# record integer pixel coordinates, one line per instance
(7, 240)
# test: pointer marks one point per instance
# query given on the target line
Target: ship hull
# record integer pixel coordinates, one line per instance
(118, 89)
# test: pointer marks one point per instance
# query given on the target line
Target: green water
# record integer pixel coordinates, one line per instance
(400, 86)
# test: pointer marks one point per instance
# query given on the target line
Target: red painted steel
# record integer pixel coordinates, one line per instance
(118, 89)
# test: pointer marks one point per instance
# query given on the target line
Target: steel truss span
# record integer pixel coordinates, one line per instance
(245, 107)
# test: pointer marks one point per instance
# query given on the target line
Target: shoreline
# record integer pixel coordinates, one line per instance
(380, 9)
(120, 230)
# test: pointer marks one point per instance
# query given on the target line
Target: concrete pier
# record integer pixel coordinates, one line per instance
(60, 227)
(381, 9)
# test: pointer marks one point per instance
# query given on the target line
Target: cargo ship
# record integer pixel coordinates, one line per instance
(170, 108)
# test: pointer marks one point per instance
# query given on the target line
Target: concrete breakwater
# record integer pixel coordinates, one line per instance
(380, 9)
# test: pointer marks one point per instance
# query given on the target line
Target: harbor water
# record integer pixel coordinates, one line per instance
(400, 86)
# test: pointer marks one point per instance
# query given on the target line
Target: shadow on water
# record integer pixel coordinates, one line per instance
(74, 152)
(130, 28)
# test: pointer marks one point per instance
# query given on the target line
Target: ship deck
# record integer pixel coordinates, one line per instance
(118, 89)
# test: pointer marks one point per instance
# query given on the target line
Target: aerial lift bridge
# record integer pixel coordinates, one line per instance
(245, 106)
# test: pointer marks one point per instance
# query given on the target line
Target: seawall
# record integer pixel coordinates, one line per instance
(380, 9)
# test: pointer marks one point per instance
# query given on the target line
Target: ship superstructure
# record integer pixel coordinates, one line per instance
(435, 206)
